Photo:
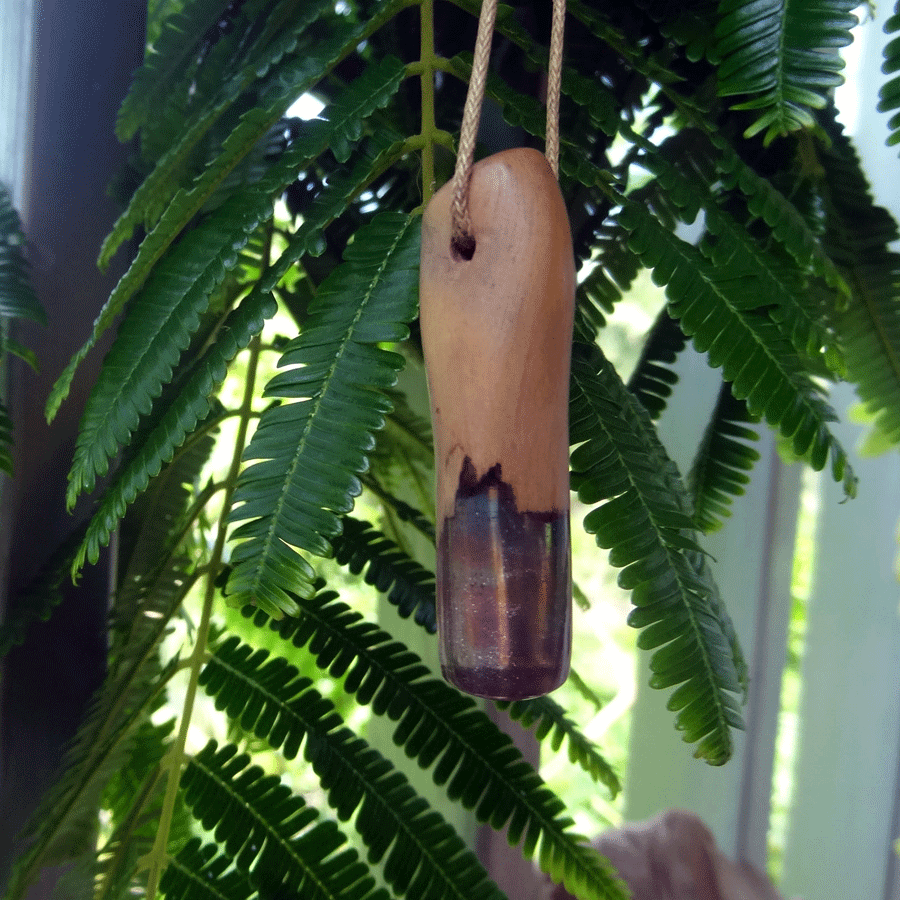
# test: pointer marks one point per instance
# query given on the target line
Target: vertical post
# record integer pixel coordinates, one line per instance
(83, 57)
(841, 827)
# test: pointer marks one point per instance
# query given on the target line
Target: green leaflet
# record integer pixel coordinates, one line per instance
(785, 55)
(167, 60)
(161, 320)
(653, 378)
(646, 521)
(17, 301)
(262, 827)
(41, 595)
(361, 98)
(786, 222)
(430, 714)
(712, 309)
(116, 734)
(65, 822)
(271, 700)
(17, 297)
(764, 200)
(861, 235)
(549, 719)
(311, 449)
(197, 873)
(133, 800)
(173, 169)
(889, 95)
(191, 406)
(406, 584)
(721, 466)
(685, 166)
(417, 845)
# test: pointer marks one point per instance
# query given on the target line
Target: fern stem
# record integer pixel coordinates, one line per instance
(428, 59)
(120, 841)
(198, 656)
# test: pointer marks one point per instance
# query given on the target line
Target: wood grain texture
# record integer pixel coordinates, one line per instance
(497, 332)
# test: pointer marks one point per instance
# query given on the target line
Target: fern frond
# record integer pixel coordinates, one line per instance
(172, 54)
(549, 719)
(860, 235)
(17, 297)
(764, 200)
(787, 224)
(294, 69)
(723, 459)
(192, 404)
(784, 56)
(212, 251)
(595, 299)
(196, 872)
(407, 585)
(685, 170)
(374, 156)
(440, 727)
(312, 448)
(117, 746)
(418, 847)
(482, 770)
(65, 821)
(159, 323)
(181, 417)
(889, 95)
(157, 567)
(653, 378)
(42, 594)
(133, 800)
(271, 834)
(17, 301)
(716, 311)
(647, 523)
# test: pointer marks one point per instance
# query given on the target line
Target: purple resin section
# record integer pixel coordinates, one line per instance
(504, 589)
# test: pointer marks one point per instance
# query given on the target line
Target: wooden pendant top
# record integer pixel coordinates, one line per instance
(497, 332)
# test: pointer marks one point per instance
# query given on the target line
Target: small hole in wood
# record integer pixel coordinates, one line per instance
(462, 247)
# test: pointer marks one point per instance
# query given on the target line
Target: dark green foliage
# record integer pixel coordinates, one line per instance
(550, 722)
(890, 92)
(17, 301)
(784, 56)
(646, 521)
(417, 845)
(269, 833)
(407, 585)
(264, 238)
(17, 297)
(197, 872)
(724, 459)
(293, 496)
(718, 309)
(478, 764)
(383, 673)
(653, 380)
(861, 237)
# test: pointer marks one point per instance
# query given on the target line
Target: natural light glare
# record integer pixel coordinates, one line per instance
(846, 96)
(305, 107)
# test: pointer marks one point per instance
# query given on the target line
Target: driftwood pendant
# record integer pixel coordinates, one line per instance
(497, 334)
